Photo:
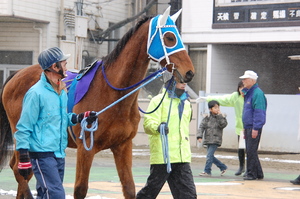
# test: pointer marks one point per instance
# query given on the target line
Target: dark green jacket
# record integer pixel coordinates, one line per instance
(211, 129)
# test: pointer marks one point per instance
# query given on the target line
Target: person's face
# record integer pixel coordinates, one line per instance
(248, 83)
(180, 85)
(60, 69)
(240, 90)
(64, 66)
(215, 110)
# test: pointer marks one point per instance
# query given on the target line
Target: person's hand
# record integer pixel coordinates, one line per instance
(242, 134)
(254, 133)
(89, 115)
(201, 99)
(24, 166)
(164, 126)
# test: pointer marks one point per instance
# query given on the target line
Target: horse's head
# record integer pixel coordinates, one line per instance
(165, 46)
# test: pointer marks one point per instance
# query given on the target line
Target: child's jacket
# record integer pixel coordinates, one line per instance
(212, 127)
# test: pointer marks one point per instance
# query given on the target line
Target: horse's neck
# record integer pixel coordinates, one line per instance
(132, 63)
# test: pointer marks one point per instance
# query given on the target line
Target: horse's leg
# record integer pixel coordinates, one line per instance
(83, 166)
(23, 188)
(123, 159)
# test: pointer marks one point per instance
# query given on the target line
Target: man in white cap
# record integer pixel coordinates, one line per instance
(41, 136)
(254, 117)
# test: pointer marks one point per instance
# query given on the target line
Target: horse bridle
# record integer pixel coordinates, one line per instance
(166, 54)
(174, 69)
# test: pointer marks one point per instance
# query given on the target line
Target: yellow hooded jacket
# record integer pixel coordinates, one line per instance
(178, 137)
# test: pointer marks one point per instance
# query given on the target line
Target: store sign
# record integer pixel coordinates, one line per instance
(230, 16)
(258, 13)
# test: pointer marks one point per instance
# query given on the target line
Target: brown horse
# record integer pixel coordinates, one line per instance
(125, 66)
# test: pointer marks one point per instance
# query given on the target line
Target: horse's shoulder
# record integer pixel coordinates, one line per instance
(22, 80)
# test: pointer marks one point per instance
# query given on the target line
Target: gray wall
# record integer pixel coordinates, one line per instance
(277, 74)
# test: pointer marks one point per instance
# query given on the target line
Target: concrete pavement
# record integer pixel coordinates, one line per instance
(104, 180)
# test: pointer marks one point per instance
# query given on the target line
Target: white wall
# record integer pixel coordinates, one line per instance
(103, 13)
(12, 38)
(5, 7)
(196, 17)
(46, 11)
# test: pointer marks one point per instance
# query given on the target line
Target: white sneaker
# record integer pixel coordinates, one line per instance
(204, 174)
(223, 172)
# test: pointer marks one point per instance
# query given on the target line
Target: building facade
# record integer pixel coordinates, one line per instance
(29, 26)
(223, 37)
(227, 37)
(231, 36)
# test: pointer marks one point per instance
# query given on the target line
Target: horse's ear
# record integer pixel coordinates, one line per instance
(176, 15)
(164, 17)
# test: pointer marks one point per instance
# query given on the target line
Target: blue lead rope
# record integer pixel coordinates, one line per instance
(94, 126)
(165, 147)
(84, 128)
(164, 136)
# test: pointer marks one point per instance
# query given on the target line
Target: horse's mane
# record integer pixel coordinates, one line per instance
(122, 42)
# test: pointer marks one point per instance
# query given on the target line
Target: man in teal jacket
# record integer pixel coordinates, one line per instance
(41, 136)
(254, 118)
(180, 179)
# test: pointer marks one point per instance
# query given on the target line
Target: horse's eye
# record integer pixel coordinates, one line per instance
(171, 38)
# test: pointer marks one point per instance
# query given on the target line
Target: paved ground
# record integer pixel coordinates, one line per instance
(104, 181)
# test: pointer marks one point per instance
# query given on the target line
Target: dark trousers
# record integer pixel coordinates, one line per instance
(253, 164)
(180, 181)
(49, 173)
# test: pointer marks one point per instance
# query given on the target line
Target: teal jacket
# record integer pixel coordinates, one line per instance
(232, 100)
(43, 123)
(255, 108)
(178, 137)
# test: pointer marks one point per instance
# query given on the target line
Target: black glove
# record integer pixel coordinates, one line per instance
(89, 115)
(164, 125)
(24, 166)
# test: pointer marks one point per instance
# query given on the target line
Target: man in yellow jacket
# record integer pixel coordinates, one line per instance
(180, 178)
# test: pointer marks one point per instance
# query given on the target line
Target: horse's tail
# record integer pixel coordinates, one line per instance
(6, 138)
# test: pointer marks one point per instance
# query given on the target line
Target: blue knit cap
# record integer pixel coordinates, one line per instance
(51, 56)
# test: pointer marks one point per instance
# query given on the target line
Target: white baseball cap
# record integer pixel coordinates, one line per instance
(249, 74)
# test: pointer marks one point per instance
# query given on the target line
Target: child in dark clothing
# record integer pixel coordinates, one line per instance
(212, 127)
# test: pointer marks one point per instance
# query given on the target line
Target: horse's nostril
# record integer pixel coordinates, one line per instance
(189, 76)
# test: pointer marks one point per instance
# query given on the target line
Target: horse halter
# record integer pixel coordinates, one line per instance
(158, 27)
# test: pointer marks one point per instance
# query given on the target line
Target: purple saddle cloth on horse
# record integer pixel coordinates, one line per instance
(79, 83)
